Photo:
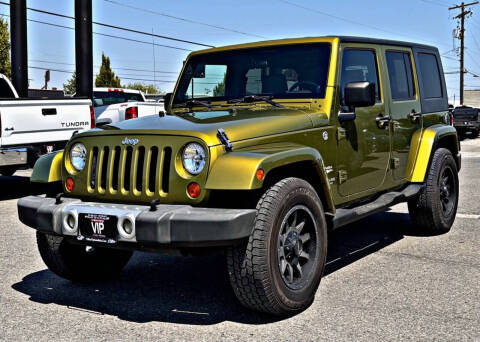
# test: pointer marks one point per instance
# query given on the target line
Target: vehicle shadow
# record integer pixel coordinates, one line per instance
(17, 186)
(196, 291)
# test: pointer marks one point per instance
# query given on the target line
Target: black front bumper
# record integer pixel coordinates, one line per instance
(167, 225)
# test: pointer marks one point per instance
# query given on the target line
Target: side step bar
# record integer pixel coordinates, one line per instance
(343, 217)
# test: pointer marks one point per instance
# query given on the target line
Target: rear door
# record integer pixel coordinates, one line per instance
(28, 122)
(404, 105)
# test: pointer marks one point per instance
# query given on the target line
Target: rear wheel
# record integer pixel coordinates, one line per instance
(434, 211)
(279, 270)
(80, 263)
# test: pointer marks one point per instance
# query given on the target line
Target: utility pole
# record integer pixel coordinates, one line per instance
(463, 14)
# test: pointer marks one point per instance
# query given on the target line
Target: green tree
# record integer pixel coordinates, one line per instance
(219, 89)
(5, 66)
(70, 88)
(106, 77)
(146, 88)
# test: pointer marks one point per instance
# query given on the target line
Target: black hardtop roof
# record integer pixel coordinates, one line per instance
(367, 40)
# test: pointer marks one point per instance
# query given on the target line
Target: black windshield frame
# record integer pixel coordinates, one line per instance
(307, 62)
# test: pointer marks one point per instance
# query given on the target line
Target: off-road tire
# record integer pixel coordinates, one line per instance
(254, 268)
(74, 263)
(7, 171)
(426, 211)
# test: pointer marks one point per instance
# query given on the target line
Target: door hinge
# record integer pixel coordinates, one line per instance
(395, 126)
(395, 163)
(342, 176)
(341, 133)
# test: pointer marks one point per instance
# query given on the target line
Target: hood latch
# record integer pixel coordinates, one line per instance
(223, 137)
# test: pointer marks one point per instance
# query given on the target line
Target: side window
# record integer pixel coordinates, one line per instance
(431, 81)
(400, 73)
(359, 66)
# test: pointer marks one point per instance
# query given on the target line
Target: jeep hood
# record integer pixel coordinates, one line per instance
(239, 124)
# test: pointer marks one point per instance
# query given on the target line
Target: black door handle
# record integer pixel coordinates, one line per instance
(382, 121)
(414, 116)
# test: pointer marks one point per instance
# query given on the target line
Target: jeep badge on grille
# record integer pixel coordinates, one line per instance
(127, 141)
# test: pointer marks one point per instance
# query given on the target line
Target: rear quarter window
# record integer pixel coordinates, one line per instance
(432, 84)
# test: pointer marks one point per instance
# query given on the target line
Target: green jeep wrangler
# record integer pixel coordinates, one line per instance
(264, 148)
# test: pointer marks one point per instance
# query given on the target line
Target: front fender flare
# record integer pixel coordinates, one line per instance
(48, 169)
(237, 170)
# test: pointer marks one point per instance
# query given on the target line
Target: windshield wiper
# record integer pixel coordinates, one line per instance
(192, 103)
(255, 98)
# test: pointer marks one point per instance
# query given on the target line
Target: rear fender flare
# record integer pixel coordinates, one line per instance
(424, 143)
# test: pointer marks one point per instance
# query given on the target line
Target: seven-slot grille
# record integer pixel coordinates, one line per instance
(130, 170)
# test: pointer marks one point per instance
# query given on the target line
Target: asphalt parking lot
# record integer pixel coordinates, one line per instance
(383, 283)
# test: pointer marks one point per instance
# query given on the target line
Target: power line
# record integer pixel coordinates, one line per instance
(97, 66)
(438, 3)
(123, 78)
(182, 19)
(116, 27)
(348, 20)
(104, 34)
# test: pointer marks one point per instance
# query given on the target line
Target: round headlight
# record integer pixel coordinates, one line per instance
(78, 156)
(193, 158)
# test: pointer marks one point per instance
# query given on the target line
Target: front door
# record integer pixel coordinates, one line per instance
(363, 148)
(404, 101)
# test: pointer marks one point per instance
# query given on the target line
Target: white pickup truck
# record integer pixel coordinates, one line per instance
(117, 104)
(32, 127)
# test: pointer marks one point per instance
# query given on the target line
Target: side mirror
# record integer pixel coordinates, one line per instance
(360, 94)
(166, 101)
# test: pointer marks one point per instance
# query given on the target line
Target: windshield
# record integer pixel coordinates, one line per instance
(287, 71)
(106, 98)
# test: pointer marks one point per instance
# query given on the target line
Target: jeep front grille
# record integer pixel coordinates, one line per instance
(128, 170)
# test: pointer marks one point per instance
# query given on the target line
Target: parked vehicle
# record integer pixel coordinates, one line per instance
(32, 127)
(265, 149)
(467, 120)
(117, 104)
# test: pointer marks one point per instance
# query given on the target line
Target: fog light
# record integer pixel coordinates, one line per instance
(70, 184)
(127, 226)
(71, 221)
(193, 190)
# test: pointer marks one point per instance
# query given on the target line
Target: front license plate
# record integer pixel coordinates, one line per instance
(98, 227)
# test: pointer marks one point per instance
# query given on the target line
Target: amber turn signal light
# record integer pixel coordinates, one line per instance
(193, 190)
(70, 184)
(260, 174)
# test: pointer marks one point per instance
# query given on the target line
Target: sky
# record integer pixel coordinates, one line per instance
(225, 22)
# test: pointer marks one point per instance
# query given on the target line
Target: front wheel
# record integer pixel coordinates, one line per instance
(279, 270)
(433, 211)
(78, 262)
